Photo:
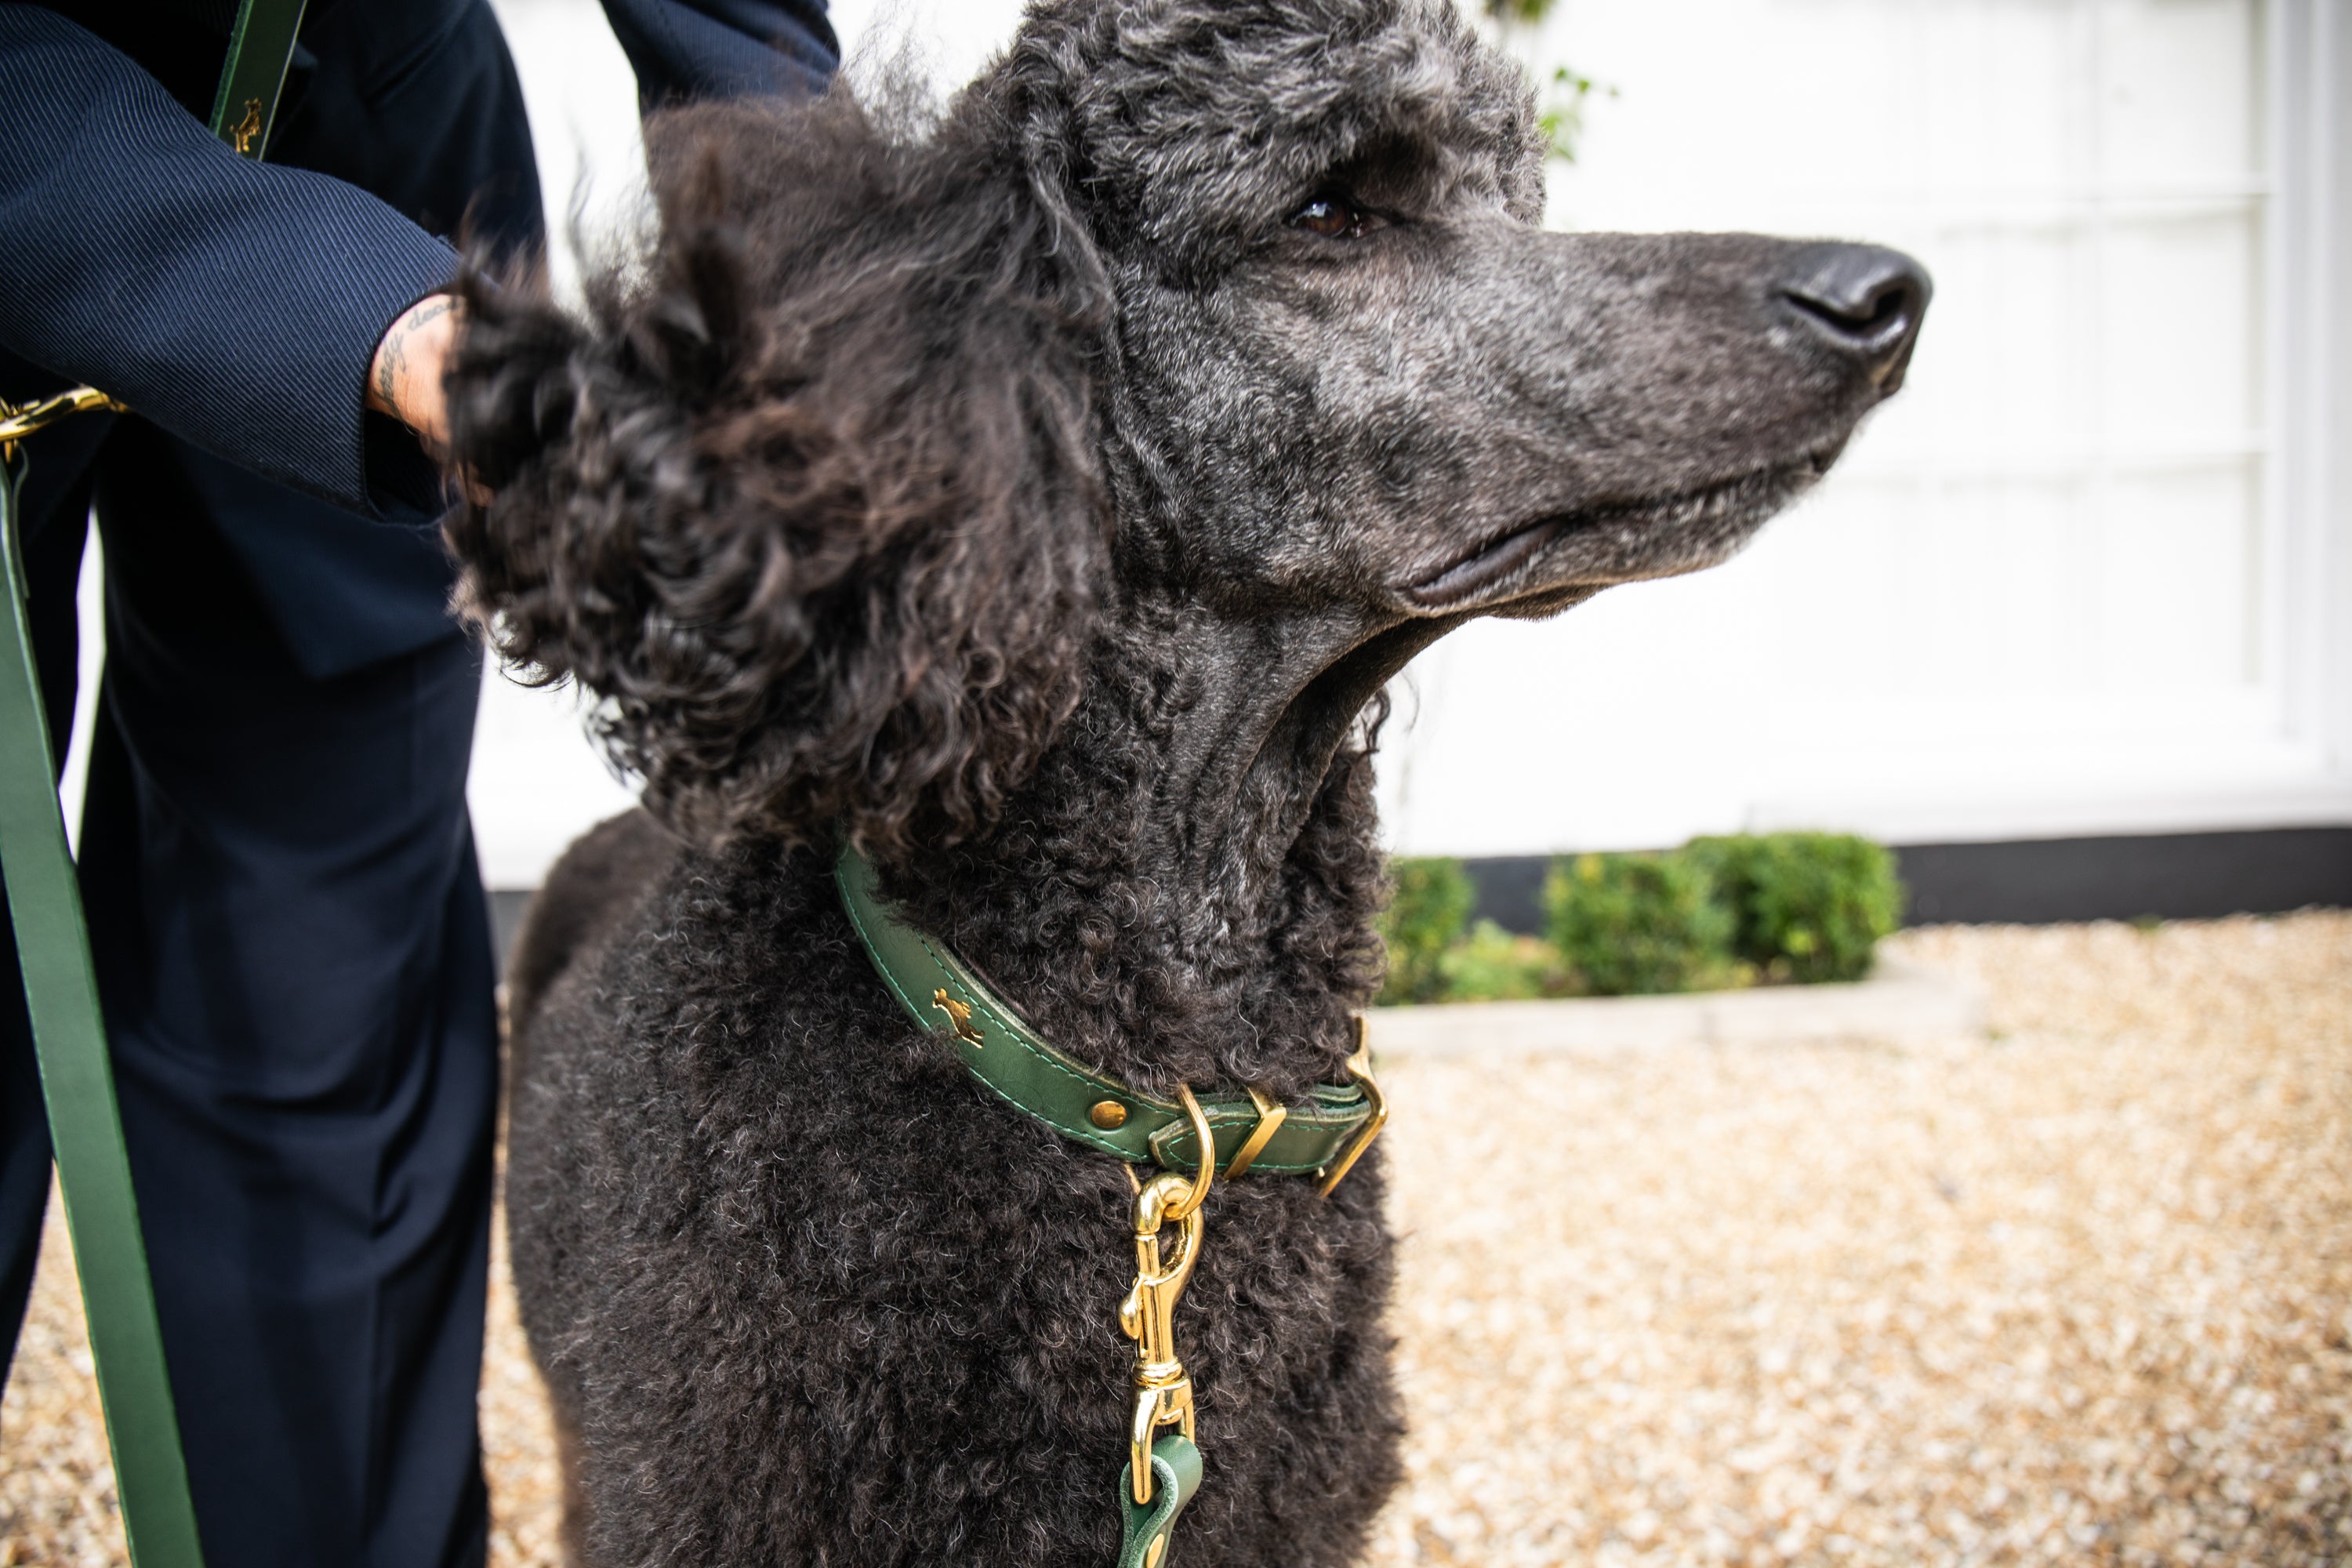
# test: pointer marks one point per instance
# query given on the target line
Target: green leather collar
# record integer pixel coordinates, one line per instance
(1023, 1070)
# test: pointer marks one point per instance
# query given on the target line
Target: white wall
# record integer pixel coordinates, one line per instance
(536, 785)
(2061, 584)
(2085, 575)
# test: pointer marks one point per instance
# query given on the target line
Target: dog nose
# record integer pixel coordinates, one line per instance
(1865, 299)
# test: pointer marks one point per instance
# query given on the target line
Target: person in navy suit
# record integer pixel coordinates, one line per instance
(287, 920)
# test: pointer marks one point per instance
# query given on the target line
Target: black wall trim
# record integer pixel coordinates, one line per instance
(2177, 876)
(2041, 882)
(1510, 890)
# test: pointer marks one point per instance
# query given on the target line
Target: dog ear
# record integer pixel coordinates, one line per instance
(809, 497)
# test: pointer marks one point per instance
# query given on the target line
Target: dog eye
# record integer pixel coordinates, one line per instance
(1334, 218)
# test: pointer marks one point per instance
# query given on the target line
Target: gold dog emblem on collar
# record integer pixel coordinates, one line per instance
(959, 1017)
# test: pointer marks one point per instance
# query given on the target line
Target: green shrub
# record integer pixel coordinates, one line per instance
(1432, 900)
(1810, 906)
(1492, 965)
(1636, 925)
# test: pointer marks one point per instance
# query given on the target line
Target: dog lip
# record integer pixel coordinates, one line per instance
(1473, 575)
(1485, 566)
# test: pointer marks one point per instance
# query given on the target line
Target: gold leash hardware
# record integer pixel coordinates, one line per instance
(1359, 1066)
(1163, 1389)
(1270, 1117)
(17, 422)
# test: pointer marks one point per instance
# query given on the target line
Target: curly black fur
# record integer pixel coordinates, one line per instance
(1042, 495)
(827, 530)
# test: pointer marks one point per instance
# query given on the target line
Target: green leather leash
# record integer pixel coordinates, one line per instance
(78, 1084)
(1145, 1527)
(244, 104)
(1324, 1138)
(126, 1341)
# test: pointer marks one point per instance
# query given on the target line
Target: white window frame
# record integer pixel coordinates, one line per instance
(2310, 347)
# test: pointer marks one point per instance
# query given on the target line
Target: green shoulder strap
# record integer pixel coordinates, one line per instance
(126, 1342)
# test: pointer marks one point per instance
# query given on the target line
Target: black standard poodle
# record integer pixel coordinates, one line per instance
(1035, 496)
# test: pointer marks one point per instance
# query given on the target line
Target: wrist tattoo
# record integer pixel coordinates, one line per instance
(392, 359)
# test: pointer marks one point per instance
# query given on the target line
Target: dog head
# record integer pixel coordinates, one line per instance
(1232, 315)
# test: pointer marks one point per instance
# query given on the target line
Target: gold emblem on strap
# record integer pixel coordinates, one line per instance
(247, 131)
(959, 1018)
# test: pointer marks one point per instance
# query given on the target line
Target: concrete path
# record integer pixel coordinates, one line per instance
(1898, 1002)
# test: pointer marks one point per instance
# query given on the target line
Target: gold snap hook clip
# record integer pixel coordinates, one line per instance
(17, 422)
(1163, 1389)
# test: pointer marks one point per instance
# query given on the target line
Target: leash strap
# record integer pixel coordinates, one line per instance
(78, 1083)
(1143, 1539)
(245, 105)
(1019, 1067)
(118, 1293)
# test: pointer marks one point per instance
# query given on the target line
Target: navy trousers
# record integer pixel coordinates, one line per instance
(293, 950)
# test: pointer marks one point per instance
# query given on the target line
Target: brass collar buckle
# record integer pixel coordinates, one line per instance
(1270, 1115)
(1359, 1067)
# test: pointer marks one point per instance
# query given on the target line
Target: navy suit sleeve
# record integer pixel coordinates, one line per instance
(687, 49)
(236, 304)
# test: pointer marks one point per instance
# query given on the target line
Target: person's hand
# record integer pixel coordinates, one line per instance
(405, 379)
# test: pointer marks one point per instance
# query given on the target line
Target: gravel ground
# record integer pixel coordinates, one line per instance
(2080, 1292)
